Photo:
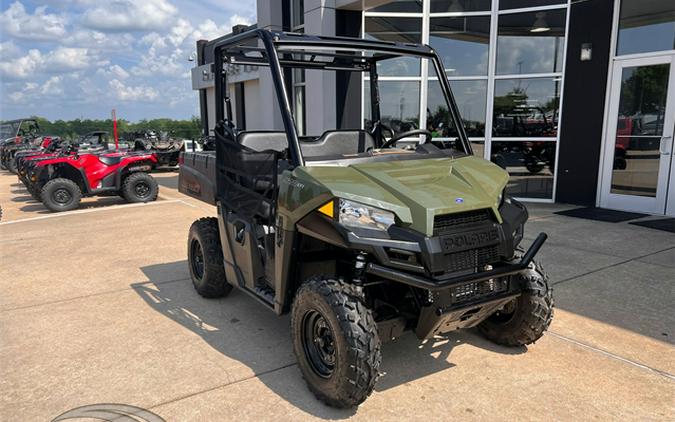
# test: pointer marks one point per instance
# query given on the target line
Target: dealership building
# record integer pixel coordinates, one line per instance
(576, 99)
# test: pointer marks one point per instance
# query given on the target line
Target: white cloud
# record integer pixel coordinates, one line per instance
(39, 26)
(132, 93)
(52, 87)
(130, 15)
(68, 59)
(62, 59)
(22, 67)
(9, 50)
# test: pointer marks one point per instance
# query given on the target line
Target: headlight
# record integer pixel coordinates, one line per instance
(354, 214)
(500, 198)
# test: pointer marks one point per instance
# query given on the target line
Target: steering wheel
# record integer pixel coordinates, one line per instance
(407, 134)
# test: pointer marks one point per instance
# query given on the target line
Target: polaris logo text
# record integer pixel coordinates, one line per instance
(469, 240)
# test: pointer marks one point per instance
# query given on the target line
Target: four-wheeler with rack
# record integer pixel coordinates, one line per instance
(357, 237)
(62, 180)
(17, 135)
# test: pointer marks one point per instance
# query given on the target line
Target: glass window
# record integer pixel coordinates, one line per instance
(646, 25)
(459, 6)
(462, 43)
(526, 107)
(517, 4)
(399, 105)
(471, 101)
(298, 13)
(530, 164)
(531, 42)
(408, 6)
(639, 128)
(406, 30)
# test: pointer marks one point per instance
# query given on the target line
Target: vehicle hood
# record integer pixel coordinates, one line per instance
(418, 190)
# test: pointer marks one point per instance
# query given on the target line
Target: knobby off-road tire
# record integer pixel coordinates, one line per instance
(139, 187)
(524, 320)
(205, 259)
(347, 328)
(11, 165)
(61, 195)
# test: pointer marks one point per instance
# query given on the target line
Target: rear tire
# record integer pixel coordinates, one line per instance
(205, 259)
(336, 342)
(139, 187)
(61, 195)
(525, 319)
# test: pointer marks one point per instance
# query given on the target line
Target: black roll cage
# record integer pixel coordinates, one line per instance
(232, 51)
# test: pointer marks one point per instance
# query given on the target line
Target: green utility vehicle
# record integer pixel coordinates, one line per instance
(358, 237)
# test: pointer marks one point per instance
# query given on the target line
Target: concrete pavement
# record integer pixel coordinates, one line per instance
(97, 307)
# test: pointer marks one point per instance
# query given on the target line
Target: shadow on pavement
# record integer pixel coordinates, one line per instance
(243, 330)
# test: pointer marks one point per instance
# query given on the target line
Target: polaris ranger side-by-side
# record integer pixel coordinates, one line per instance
(357, 236)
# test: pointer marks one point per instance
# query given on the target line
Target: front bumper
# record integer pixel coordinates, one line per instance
(466, 300)
(436, 284)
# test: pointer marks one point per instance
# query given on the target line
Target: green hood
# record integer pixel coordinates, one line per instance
(415, 190)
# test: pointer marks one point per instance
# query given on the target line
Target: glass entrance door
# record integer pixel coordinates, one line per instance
(638, 160)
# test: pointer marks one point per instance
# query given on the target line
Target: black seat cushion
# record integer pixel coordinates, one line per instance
(110, 160)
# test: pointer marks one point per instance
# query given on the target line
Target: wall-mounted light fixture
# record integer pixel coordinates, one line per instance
(540, 24)
(586, 52)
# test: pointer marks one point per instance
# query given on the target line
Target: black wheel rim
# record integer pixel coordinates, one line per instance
(319, 343)
(505, 314)
(197, 259)
(62, 196)
(142, 189)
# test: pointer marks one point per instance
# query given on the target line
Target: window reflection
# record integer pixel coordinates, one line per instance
(471, 101)
(642, 104)
(531, 42)
(459, 6)
(462, 43)
(639, 128)
(526, 107)
(399, 105)
(517, 4)
(646, 25)
(531, 166)
(408, 6)
(405, 30)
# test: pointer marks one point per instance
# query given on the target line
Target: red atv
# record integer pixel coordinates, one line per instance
(64, 179)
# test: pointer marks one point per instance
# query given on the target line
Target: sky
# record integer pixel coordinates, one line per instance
(67, 59)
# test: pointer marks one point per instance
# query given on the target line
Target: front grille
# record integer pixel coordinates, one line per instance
(478, 291)
(448, 222)
(471, 259)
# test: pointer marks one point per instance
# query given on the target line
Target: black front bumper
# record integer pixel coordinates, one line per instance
(435, 284)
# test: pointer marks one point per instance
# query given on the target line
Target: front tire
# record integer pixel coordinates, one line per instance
(525, 319)
(61, 195)
(336, 342)
(205, 259)
(139, 187)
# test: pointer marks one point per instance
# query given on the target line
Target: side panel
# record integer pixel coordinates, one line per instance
(197, 175)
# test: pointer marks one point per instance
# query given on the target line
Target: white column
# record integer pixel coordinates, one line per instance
(269, 17)
(320, 85)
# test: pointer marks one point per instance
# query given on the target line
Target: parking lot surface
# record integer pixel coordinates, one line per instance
(97, 307)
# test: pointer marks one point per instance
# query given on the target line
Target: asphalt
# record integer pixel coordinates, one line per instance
(97, 307)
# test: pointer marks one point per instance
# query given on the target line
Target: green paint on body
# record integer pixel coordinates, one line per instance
(414, 190)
